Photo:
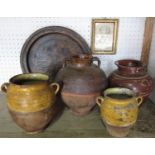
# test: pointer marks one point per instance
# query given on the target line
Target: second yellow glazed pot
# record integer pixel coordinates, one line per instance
(31, 100)
(119, 110)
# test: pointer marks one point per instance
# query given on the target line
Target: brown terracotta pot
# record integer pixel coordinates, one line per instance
(82, 82)
(132, 74)
(31, 100)
(119, 110)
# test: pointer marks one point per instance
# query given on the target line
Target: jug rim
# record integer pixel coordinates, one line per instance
(119, 90)
(138, 62)
(28, 76)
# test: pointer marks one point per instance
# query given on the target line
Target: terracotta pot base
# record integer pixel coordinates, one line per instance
(33, 122)
(79, 113)
(34, 132)
(118, 131)
(80, 105)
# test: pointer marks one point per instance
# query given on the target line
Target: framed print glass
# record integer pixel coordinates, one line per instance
(104, 36)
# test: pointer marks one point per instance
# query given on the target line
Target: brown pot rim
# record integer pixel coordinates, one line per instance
(117, 63)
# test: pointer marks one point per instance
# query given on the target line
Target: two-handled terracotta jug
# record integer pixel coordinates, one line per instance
(31, 100)
(82, 81)
(119, 110)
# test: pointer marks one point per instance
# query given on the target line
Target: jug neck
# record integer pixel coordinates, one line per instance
(82, 60)
(130, 67)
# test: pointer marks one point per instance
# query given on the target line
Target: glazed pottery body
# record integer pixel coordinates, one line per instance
(31, 105)
(132, 74)
(119, 115)
(82, 82)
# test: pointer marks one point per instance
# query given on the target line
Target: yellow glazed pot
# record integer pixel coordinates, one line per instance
(119, 110)
(30, 100)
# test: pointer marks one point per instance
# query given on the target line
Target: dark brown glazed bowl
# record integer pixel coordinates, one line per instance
(132, 74)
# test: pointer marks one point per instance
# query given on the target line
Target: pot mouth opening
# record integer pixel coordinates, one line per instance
(119, 93)
(130, 63)
(29, 79)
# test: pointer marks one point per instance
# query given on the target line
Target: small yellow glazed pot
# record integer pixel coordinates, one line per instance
(119, 110)
(30, 100)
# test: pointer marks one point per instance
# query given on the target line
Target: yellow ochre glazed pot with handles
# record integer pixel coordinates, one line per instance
(119, 110)
(31, 100)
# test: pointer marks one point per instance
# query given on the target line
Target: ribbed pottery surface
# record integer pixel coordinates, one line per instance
(29, 99)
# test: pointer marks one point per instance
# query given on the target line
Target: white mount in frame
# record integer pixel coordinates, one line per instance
(104, 36)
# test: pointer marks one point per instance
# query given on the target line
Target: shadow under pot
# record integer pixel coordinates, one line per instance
(119, 110)
(132, 74)
(82, 81)
(31, 100)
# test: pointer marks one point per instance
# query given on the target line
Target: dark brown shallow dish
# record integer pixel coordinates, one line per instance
(45, 50)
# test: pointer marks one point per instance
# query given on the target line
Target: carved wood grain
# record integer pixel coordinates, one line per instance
(147, 39)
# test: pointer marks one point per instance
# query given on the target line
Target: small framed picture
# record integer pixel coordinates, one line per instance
(104, 36)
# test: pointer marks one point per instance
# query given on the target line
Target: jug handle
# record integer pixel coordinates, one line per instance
(56, 87)
(145, 82)
(65, 63)
(98, 61)
(4, 87)
(139, 100)
(99, 100)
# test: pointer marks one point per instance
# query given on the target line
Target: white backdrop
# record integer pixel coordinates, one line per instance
(14, 32)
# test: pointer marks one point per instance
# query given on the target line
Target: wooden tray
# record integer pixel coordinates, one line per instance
(45, 50)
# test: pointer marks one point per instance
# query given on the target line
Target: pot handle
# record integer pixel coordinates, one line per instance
(99, 100)
(98, 61)
(145, 82)
(139, 100)
(56, 87)
(65, 63)
(4, 87)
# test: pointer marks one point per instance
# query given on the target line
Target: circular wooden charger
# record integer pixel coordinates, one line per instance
(45, 50)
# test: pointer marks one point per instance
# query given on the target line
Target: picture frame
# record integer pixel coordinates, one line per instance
(104, 36)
